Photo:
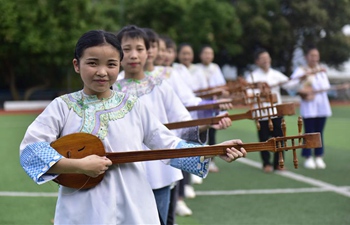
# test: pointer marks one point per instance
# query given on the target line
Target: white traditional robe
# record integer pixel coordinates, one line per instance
(319, 106)
(185, 94)
(191, 76)
(162, 101)
(271, 77)
(173, 78)
(211, 75)
(123, 124)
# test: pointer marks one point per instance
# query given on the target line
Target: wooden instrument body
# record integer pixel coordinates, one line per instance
(77, 146)
(80, 145)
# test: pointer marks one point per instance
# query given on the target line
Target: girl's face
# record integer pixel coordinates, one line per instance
(264, 61)
(99, 68)
(186, 56)
(135, 56)
(170, 56)
(312, 58)
(207, 56)
(161, 53)
(152, 52)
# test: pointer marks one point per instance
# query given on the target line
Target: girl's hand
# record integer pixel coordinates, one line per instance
(224, 123)
(232, 153)
(225, 105)
(94, 165)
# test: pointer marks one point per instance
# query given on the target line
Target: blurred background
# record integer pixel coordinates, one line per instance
(37, 37)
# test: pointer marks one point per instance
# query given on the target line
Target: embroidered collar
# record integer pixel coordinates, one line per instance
(96, 113)
(138, 87)
(162, 72)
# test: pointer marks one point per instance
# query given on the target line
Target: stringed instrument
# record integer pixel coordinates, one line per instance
(80, 145)
(308, 94)
(230, 85)
(253, 114)
(233, 90)
(234, 101)
(266, 88)
(305, 76)
(210, 94)
(224, 87)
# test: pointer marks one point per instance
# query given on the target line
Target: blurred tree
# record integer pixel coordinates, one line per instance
(281, 26)
(198, 22)
(37, 39)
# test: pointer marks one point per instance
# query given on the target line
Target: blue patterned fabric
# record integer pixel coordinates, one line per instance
(37, 158)
(195, 165)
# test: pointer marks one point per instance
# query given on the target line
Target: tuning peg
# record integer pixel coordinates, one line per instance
(280, 160)
(300, 127)
(270, 124)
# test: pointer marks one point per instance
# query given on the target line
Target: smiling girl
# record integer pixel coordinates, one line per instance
(120, 121)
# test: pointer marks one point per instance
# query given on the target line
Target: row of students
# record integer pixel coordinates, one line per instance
(160, 65)
(206, 74)
(314, 110)
(123, 122)
(305, 79)
(154, 90)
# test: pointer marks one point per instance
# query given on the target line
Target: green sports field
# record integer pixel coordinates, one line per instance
(239, 194)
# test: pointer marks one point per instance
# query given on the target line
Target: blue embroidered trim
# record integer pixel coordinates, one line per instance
(195, 165)
(37, 158)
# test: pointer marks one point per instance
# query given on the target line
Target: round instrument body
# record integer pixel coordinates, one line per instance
(77, 146)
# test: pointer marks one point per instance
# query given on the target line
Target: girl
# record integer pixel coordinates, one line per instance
(121, 122)
(162, 101)
(314, 110)
(159, 60)
(172, 77)
(212, 74)
(185, 57)
(212, 77)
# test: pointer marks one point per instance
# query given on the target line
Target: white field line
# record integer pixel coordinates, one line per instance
(265, 191)
(320, 186)
(301, 178)
(199, 193)
(27, 194)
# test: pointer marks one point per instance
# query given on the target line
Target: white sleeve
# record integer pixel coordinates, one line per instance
(48, 125)
(181, 89)
(217, 78)
(156, 135)
(294, 82)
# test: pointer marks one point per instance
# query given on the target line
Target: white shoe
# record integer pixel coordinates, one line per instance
(196, 179)
(310, 163)
(189, 191)
(212, 167)
(320, 163)
(182, 209)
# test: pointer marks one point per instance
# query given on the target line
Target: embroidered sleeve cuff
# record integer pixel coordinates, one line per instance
(193, 134)
(37, 158)
(195, 165)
